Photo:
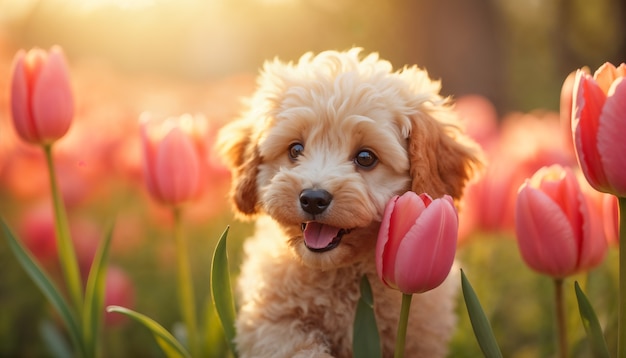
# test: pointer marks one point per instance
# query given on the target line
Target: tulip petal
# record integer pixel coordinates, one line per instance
(545, 236)
(149, 159)
(383, 238)
(426, 254)
(565, 105)
(588, 102)
(611, 143)
(594, 242)
(20, 107)
(52, 99)
(407, 208)
(177, 167)
(561, 185)
(605, 75)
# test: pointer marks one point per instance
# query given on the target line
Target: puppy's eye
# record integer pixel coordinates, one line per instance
(295, 150)
(366, 159)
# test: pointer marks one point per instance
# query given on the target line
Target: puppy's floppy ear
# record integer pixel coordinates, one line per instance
(238, 147)
(442, 158)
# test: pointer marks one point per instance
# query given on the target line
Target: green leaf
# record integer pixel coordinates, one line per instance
(480, 323)
(214, 342)
(170, 346)
(366, 341)
(222, 292)
(94, 296)
(47, 287)
(591, 324)
(366, 292)
(54, 340)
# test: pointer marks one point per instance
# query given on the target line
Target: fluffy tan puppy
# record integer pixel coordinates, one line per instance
(324, 144)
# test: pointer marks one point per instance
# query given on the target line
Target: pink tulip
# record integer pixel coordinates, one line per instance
(42, 103)
(557, 233)
(173, 158)
(416, 242)
(598, 124)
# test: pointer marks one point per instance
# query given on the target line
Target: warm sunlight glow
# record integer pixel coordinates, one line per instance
(93, 5)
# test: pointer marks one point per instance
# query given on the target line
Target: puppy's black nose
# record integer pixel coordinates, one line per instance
(315, 201)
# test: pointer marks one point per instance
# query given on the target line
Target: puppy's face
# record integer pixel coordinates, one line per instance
(329, 167)
(328, 142)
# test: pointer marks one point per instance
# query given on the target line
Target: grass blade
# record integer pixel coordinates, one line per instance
(47, 287)
(366, 341)
(591, 324)
(93, 309)
(480, 323)
(170, 346)
(222, 292)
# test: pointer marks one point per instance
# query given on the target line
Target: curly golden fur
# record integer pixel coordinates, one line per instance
(351, 132)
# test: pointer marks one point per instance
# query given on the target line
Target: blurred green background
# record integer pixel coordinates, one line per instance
(176, 56)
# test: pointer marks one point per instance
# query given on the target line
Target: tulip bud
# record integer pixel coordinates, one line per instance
(557, 234)
(416, 242)
(42, 104)
(598, 124)
(173, 158)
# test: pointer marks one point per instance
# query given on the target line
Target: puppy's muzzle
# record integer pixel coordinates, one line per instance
(315, 201)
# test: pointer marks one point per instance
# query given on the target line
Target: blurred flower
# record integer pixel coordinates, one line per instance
(416, 242)
(565, 110)
(119, 291)
(36, 231)
(480, 119)
(524, 143)
(598, 124)
(174, 158)
(557, 233)
(42, 103)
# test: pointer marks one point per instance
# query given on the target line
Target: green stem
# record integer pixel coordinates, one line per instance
(402, 324)
(560, 317)
(67, 255)
(621, 311)
(185, 285)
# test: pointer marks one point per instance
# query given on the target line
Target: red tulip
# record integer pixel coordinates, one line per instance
(416, 242)
(557, 233)
(173, 158)
(598, 124)
(42, 103)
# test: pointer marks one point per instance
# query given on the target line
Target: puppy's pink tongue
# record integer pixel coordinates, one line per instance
(319, 236)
